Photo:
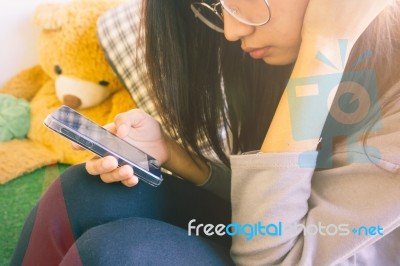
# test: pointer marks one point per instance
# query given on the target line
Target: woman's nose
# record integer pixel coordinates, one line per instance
(234, 29)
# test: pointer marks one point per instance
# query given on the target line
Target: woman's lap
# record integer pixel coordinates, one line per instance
(91, 204)
(143, 241)
(175, 202)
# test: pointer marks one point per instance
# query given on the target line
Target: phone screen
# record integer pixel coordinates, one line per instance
(97, 139)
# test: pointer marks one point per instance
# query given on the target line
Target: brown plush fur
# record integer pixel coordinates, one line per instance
(68, 39)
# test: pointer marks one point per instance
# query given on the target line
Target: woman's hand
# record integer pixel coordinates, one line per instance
(142, 131)
(340, 19)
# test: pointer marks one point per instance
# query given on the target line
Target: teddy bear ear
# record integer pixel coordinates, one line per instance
(50, 16)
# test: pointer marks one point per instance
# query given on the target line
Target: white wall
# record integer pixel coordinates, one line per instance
(17, 36)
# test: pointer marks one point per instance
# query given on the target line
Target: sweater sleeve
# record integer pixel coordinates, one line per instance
(269, 190)
(285, 212)
(219, 180)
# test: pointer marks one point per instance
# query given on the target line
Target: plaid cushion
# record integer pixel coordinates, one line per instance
(118, 32)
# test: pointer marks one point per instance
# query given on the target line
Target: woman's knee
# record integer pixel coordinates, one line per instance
(145, 241)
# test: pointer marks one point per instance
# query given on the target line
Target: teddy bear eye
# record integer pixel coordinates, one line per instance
(104, 83)
(58, 70)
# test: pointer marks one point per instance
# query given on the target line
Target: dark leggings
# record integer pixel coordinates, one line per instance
(81, 220)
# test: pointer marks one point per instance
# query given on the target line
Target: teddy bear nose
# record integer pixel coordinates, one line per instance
(72, 101)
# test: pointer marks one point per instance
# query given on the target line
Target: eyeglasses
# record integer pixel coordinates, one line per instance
(250, 12)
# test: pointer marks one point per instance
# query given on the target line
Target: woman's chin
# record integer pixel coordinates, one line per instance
(279, 61)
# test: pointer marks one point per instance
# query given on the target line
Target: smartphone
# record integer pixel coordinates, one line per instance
(76, 127)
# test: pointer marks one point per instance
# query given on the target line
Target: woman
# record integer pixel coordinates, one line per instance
(291, 202)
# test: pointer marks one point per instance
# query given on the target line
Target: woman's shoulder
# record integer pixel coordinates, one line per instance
(372, 135)
(383, 134)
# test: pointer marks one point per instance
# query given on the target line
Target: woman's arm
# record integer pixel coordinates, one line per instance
(181, 164)
(213, 176)
(291, 119)
(144, 132)
(274, 187)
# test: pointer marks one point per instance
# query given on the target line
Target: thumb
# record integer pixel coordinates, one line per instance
(111, 127)
(125, 121)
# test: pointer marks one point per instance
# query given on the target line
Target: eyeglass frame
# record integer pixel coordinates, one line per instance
(213, 8)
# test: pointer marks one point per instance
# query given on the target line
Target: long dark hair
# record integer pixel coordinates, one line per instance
(187, 63)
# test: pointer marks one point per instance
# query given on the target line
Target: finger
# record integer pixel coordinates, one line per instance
(98, 166)
(123, 173)
(111, 128)
(130, 182)
(76, 146)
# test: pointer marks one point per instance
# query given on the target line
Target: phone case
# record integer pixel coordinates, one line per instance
(147, 168)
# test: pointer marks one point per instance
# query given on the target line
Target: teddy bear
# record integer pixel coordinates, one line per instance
(72, 71)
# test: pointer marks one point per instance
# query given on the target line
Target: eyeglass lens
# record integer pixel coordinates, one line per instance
(253, 12)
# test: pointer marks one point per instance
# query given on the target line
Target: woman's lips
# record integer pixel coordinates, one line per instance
(258, 53)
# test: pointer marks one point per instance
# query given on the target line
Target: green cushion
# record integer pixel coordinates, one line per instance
(14, 117)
